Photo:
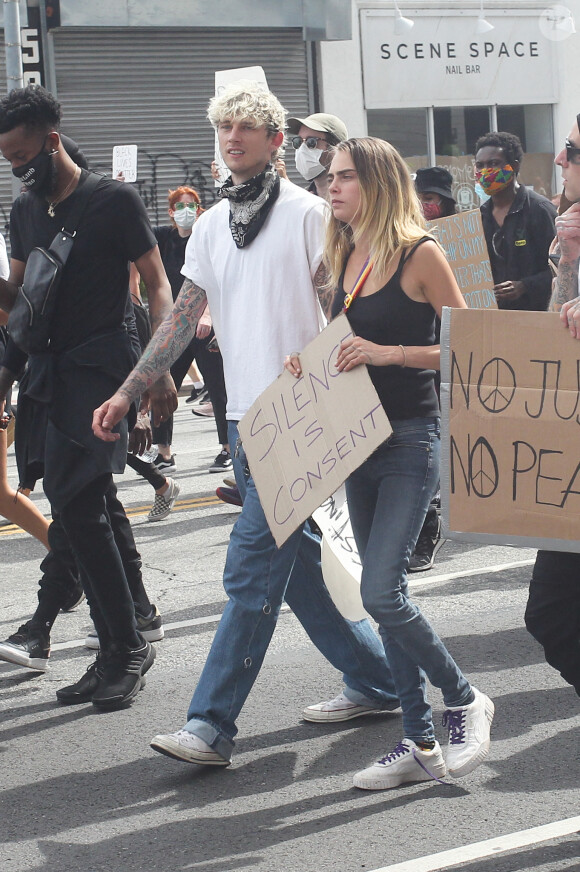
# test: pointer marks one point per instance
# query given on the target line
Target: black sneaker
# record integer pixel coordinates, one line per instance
(74, 599)
(29, 647)
(165, 466)
(123, 676)
(151, 628)
(83, 689)
(428, 543)
(222, 463)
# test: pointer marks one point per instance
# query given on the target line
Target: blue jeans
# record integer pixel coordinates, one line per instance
(257, 578)
(388, 497)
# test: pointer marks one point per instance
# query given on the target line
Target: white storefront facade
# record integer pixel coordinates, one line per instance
(433, 89)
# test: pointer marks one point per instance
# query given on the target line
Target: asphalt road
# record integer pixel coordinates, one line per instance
(82, 790)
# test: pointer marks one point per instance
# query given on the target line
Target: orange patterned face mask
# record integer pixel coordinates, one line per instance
(496, 179)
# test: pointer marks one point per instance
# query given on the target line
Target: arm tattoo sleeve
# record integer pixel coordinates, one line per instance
(565, 285)
(170, 340)
(324, 292)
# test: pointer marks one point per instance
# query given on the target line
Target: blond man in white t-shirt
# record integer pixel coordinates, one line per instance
(256, 258)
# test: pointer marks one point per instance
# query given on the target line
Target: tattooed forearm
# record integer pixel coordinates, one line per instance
(170, 340)
(565, 285)
(324, 291)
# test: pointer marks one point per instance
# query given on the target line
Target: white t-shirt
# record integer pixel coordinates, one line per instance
(262, 298)
(4, 265)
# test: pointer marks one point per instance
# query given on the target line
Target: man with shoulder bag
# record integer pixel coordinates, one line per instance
(79, 350)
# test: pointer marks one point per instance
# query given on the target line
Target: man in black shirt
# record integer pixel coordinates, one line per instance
(90, 351)
(518, 225)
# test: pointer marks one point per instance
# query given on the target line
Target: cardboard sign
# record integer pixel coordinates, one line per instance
(223, 78)
(303, 437)
(463, 240)
(341, 566)
(125, 162)
(510, 396)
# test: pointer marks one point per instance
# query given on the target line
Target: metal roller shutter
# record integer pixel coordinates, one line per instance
(151, 87)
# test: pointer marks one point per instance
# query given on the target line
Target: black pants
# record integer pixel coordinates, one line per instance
(211, 366)
(94, 527)
(553, 611)
(148, 471)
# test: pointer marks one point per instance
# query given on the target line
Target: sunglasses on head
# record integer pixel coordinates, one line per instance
(572, 153)
(179, 206)
(311, 141)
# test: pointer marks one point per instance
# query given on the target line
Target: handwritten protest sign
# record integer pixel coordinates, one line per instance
(303, 437)
(125, 161)
(510, 470)
(341, 565)
(463, 239)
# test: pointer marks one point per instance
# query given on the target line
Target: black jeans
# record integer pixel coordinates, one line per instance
(553, 611)
(94, 524)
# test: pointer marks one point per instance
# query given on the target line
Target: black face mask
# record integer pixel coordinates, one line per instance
(38, 174)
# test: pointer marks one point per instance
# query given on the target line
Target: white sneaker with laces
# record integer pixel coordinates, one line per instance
(469, 734)
(183, 745)
(164, 502)
(407, 762)
(341, 708)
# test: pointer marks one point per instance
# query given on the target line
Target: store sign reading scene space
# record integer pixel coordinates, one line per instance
(303, 437)
(442, 62)
(510, 397)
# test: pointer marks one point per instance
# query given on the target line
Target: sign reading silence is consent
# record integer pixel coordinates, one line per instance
(463, 240)
(303, 437)
(510, 396)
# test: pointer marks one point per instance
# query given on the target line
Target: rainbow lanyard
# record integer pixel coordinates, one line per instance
(363, 276)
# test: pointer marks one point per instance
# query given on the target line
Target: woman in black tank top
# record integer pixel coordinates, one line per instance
(397, 280)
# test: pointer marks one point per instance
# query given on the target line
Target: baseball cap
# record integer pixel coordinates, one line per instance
(434, 180)
(322, 122)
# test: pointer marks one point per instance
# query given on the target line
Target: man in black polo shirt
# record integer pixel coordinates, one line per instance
(90, 352)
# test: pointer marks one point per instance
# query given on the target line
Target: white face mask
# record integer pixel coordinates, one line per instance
(185, 218)
(308, 162)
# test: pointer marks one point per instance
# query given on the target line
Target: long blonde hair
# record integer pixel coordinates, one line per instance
(390, 214)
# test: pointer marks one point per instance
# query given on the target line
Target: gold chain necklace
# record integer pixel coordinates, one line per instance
(65, 193)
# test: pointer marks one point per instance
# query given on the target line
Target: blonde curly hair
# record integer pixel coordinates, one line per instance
(251, 102)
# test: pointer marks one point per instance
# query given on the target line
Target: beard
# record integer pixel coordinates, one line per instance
(49, 183)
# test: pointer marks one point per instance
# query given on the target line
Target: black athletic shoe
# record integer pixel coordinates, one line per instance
(74, 599)
(29, 647)
(123, 676)
(222, 463)
(165, 466)
(428, 543)
(85, 687)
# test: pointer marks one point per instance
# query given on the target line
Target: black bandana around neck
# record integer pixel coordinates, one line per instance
(250, 204)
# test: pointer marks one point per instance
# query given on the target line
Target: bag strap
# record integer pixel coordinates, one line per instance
(85, 193)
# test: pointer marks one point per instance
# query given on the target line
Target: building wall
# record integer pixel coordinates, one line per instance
(341, 63)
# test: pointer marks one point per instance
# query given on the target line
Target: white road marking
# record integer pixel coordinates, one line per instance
(488, 848)
(211, 619)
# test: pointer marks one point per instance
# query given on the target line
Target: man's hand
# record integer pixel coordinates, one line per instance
(204, 325)
(568, 230)
(140, 436)
(163, 398)
(110, 413)
(570, 316)
(507, 292)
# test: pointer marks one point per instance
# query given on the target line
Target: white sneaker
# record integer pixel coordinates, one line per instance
(183, 745)
(164, 502)
(407, 762)
(469, 734)
(341, 708)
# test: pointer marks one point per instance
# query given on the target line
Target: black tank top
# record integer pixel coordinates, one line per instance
(390, 317)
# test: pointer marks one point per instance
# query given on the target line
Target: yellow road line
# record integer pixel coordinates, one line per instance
(139, 511)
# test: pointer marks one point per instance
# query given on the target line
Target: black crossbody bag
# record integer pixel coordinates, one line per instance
(30, 320)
